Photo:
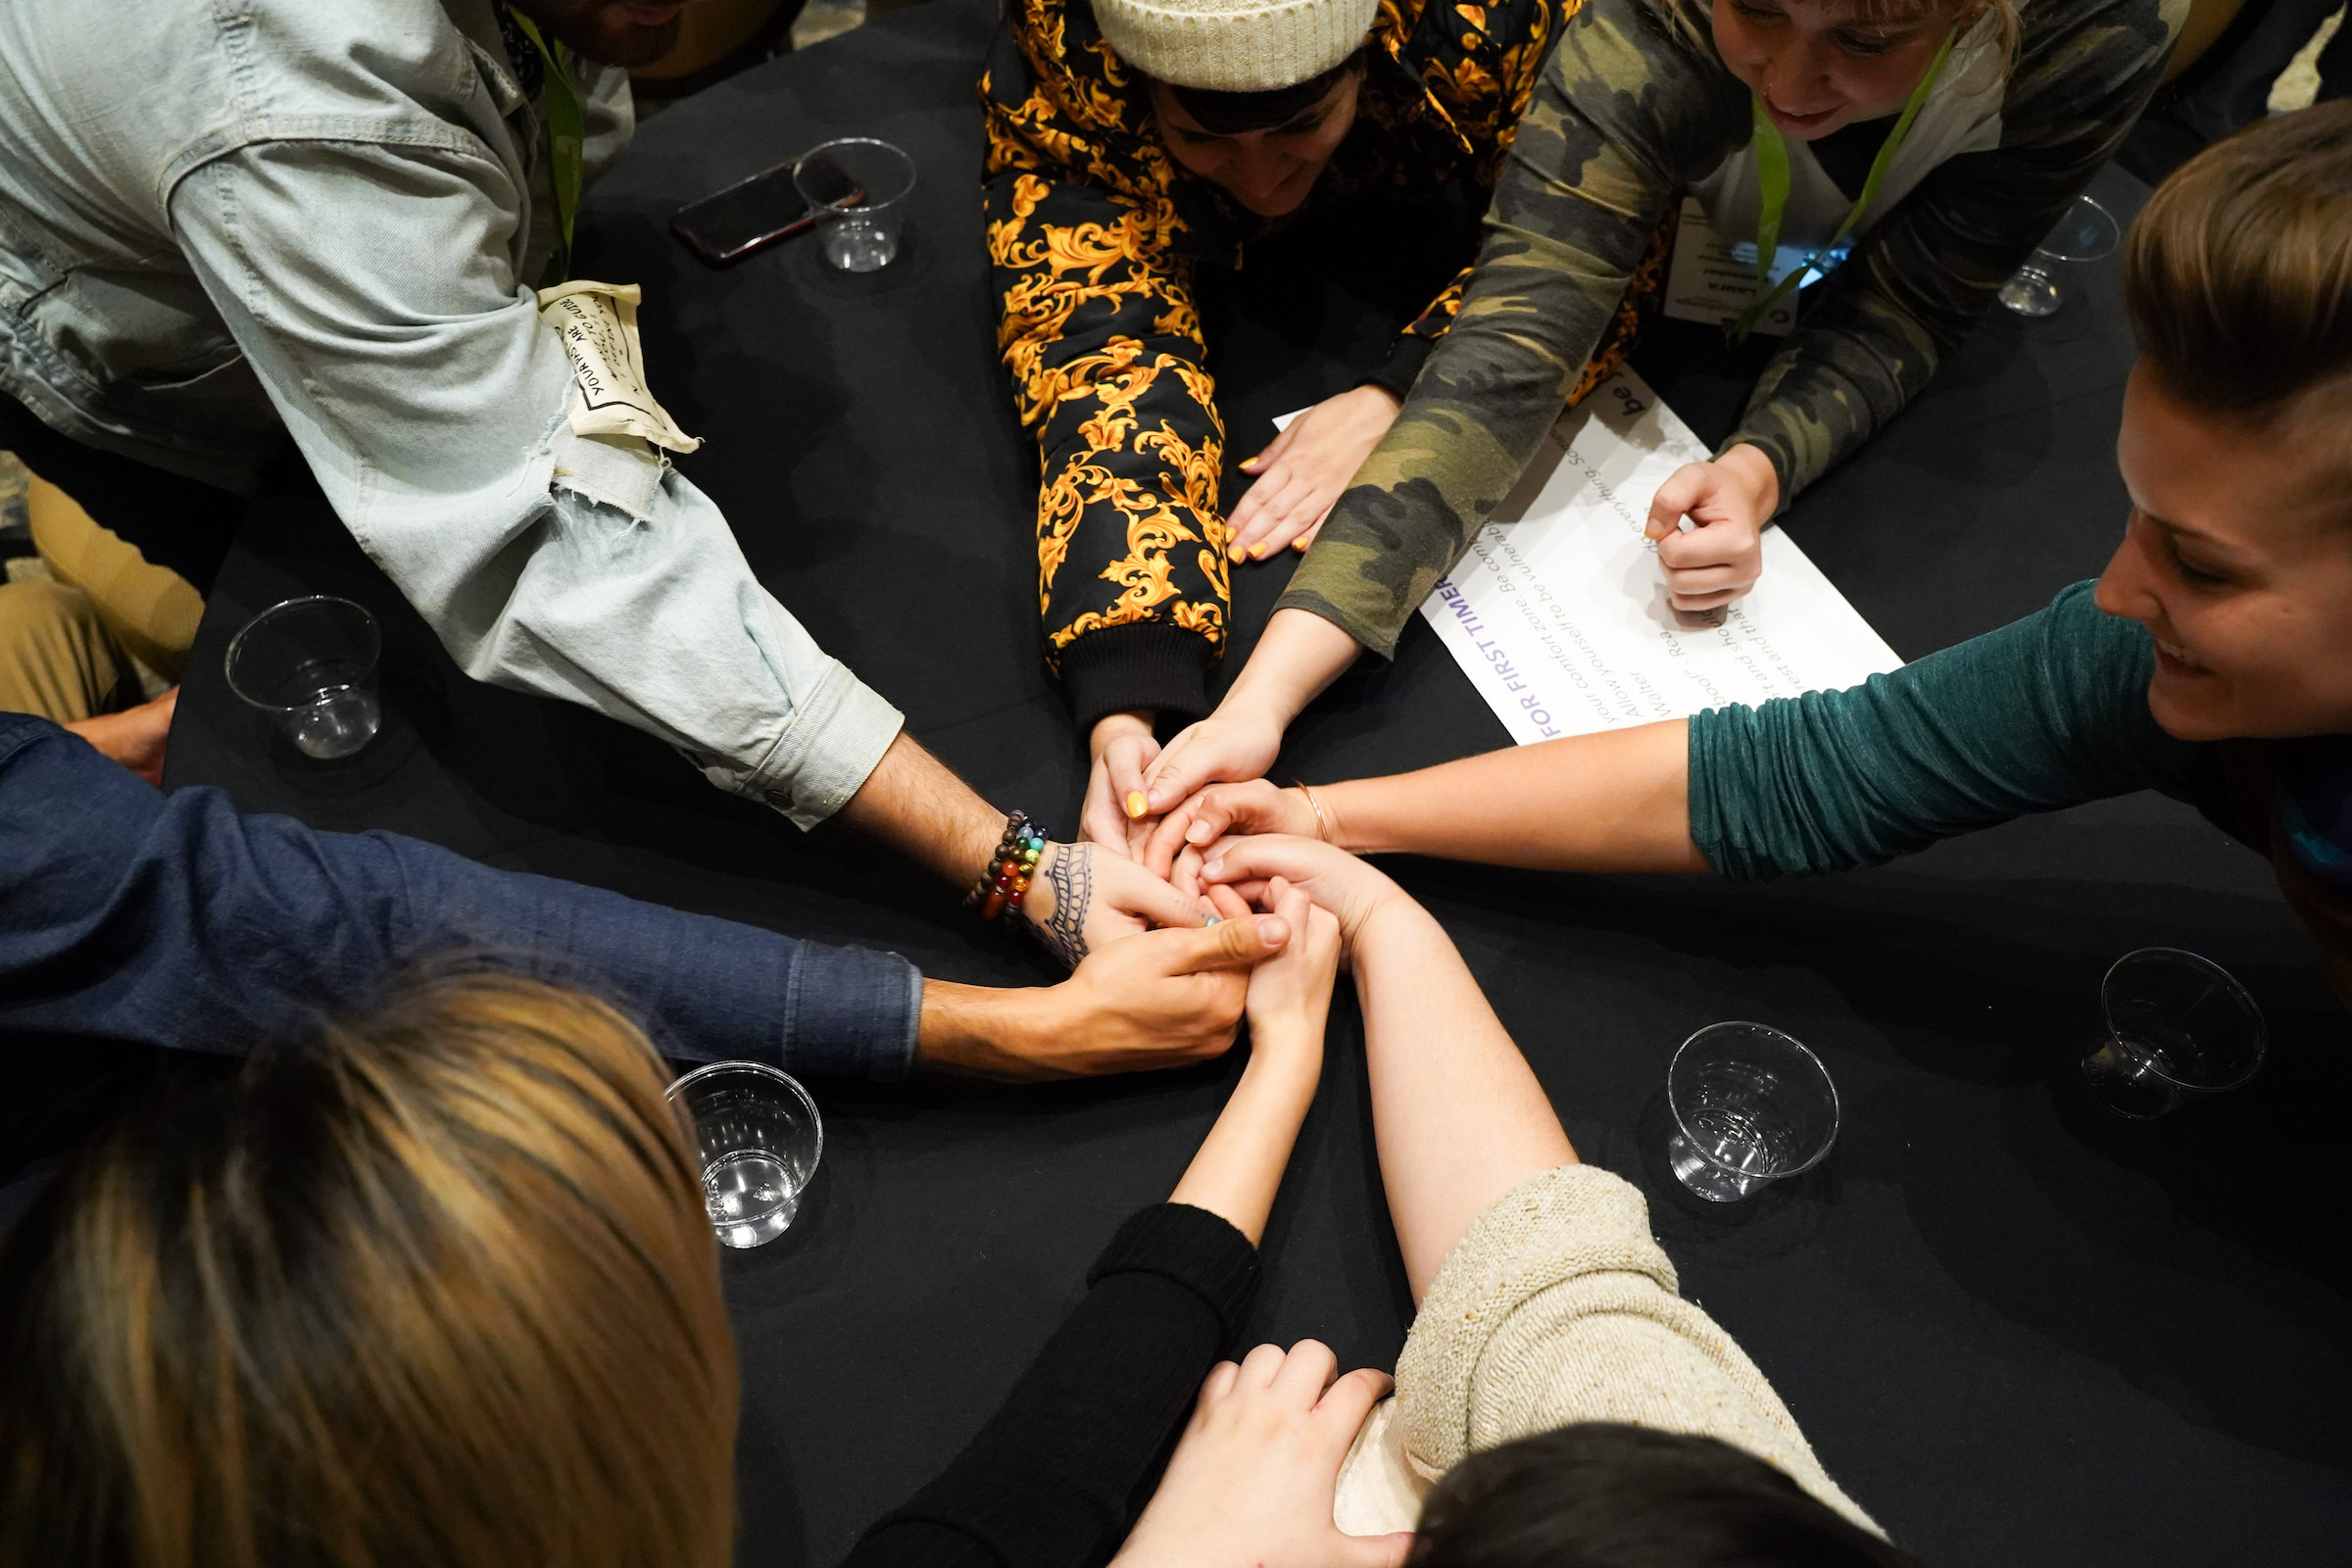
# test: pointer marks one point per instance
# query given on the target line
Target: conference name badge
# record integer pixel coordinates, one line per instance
(596, 325)
(1708, 281)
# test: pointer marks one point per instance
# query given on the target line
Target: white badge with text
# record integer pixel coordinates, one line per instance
(1712, 281)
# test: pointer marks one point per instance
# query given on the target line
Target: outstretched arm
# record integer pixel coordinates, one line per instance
(1096, 325)
(1048, 1482)
(1299, 655)
(1241, 1162)
(1459, 1115)
(1078, 901)
(175, 920)
(2047, 712)
(1618, 800)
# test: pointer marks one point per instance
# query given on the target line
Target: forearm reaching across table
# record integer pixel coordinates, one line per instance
(1052, 1480)
(2048, 711)
(173, 920)
(431, 403)
(1456, 1112)
(1098, 331)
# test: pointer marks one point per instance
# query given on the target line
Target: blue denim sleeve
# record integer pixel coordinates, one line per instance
(2047, 712)
(174, 921)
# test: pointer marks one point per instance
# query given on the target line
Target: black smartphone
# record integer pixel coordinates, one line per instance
(750, 216)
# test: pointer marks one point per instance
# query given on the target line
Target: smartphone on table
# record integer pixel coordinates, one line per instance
(750, 215)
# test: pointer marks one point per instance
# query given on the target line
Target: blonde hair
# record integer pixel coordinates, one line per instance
(435, 1290)
(2237, 274)
(1689, 20)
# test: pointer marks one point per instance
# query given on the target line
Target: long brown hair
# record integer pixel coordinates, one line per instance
(437, 1289)
(2237, 274)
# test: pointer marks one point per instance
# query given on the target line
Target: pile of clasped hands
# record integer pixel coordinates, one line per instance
(1175, 810)
(1257, 1464)
(1254, 1474)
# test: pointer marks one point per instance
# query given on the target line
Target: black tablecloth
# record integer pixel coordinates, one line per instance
(2014, 1331)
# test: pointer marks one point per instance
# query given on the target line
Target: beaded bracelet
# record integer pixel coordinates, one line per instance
(1006, 882)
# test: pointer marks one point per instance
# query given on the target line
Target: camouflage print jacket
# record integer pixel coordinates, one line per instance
(1094, 233)
(1628, 114)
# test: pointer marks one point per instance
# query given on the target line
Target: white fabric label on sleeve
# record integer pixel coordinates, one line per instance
(596, 325)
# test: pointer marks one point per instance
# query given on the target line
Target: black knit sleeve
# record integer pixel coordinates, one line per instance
(1057, 1475)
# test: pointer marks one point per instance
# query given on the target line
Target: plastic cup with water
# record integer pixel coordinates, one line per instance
(859, 188)
(1751, 1105)
(758, 1138)
(310, 665)
(2179, 1028)
(2086, 233)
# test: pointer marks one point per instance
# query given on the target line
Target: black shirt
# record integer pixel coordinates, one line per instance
(1056, 1477)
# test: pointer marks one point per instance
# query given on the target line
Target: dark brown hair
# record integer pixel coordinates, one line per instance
(1598, 1494)
(437, 1289)
(2238, 272)
(1230, 114)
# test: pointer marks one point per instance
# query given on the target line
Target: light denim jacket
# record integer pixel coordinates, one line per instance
(220, 218)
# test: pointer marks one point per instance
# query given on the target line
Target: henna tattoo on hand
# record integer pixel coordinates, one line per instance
(1072, 878)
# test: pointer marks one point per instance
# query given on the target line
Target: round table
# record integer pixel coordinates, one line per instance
(2013, 1330)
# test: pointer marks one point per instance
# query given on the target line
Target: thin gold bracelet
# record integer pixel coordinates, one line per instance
(1322, 822)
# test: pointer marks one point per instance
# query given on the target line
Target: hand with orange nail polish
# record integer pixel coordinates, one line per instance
(1297, 479)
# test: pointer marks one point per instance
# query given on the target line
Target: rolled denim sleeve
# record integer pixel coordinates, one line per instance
(413, 369)
(173, 920)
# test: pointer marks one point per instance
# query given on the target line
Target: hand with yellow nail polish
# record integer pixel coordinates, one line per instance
(1297, 479)
(1116, 814)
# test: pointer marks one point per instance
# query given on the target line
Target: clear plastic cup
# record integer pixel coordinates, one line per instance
(1751, 1105)
(759, 1139)
(859, 188)
(2086, 233)
(310, 665)
(2180, 1027)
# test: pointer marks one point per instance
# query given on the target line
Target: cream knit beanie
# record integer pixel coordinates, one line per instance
(1235, 45)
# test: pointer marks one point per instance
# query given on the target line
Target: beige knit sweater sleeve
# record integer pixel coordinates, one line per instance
(1557, 1306)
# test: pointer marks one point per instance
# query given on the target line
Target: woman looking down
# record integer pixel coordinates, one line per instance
(1942, 137)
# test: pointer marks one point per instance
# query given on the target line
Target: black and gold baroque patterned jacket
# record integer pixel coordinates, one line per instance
(1095, 234)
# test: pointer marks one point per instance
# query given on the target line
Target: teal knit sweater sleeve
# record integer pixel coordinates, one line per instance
(2050, 710)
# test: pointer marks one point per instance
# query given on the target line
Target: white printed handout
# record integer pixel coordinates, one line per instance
(1559, 614)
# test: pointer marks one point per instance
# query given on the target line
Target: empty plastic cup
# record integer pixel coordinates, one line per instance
(759, 1139)
(2085, 234)
(1751, 1105)
(859, 188)
(2180, 1027)
(310, 665)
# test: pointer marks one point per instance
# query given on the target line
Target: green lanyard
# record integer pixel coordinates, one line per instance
(566, 138)
(1772, 183)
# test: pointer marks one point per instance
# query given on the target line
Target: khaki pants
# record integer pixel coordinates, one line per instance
(66, 644)
(56, 658)
(150, 612)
